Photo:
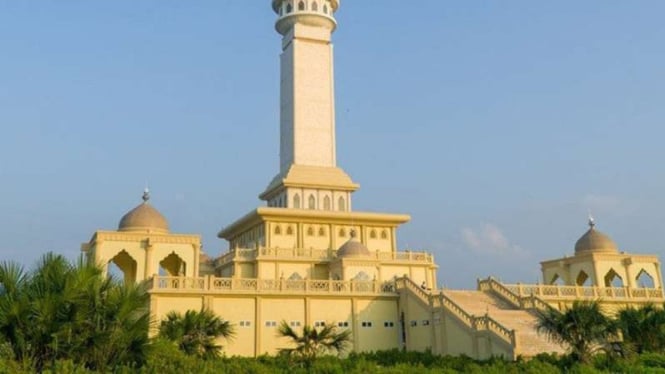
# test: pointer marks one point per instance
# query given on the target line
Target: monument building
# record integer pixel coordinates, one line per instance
(308, 258)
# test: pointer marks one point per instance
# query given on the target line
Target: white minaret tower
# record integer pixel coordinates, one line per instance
(308, 176)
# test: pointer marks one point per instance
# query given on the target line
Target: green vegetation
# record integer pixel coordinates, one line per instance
(313, 342)
(61, 317)
(196, 333)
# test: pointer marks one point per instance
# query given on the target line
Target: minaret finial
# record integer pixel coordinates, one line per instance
(592, 222)
(146, 195)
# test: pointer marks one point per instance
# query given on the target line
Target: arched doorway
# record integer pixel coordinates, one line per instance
(172, 265)
(644, 280)
(557, 280)
(583, 279)
(122, 266)
(612, 279)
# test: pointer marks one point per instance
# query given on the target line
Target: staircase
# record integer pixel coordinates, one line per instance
(523, 322)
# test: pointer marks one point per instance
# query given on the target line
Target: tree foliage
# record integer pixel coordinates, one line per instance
(196, 332)
(61, 311)
(313, 342)
(643, 328)
(583, 328)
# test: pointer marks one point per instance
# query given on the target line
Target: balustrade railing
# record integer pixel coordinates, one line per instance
(212, 284)
(318, 254)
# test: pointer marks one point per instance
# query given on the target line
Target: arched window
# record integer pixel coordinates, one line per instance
(322, 231)
(289, 8)
(583, 279)
(362, 276)
(326, 203)
(278, 230)
(296, 201)
(295, 276)
(172, 265)
(384, 234)
(644, 280)
(341, 204)
(612, 279)
(325, 8)
(310, 231)
(315, 6)
(372, 234)
(311, 202)
(556, 280)
(301, 5)
(342, 233)
(122, 266)
(289, 230)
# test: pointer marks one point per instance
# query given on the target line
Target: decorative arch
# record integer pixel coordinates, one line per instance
(172, 265)
(342, 232)
(362, 276)
(314, 6)
(296, 201)
(583, 279)
(644, 280)
(326, 203)
(122, 265)
(384, 234)
(289, 230)
(310, 231)
(613, 279)
(295, 276)
(311, 202)
(341, 204)
(372, 234)
(301, 5)
(557, 280)
(325, 8)
(322, 231)
(289, 8)
(278, 230)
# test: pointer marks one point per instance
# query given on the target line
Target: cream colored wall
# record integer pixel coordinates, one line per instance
(316, 236)
(376, 337)
(238, 311)
(418, 333)
(351, 271)
(330, 311)
(283, 240)
(246, 270)
(162, 250)
(105, 251)
(276, 310)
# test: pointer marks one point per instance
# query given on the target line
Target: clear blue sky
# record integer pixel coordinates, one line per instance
(496, 124)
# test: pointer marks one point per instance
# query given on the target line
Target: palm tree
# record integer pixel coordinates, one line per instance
(582, 327)
(314, 342)
(61, 310)
(643, 328)
(196, 333)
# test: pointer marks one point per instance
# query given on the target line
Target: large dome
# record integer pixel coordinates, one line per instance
(144, 218)
(353, 248)
(595, 241)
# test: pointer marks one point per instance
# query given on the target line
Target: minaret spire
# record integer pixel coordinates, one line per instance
(308, 160)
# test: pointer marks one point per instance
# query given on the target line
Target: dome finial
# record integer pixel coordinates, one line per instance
(592, 221)
(146, 195)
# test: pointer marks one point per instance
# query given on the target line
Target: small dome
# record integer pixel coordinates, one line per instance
(353, 248)
(595, 241)
(144, 218)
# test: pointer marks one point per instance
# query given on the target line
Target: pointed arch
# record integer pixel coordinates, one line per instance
(322, 231)
(341, 204)
(310, 231)
(295, 276)
(314, 6)
(278, 230)
(342, 232)
(122, 265)
(311, 202)
(325, 8)
(613, 279)
(362, 276)
(296, 201)
(557, 280)
(384, 234)
(583, 279)
(301, 5)
(644, 280)
(172, 265)
(289, 8)
(289, 230)
(372, 234)
(326, 203)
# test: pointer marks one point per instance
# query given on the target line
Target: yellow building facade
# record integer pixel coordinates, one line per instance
(307, 258)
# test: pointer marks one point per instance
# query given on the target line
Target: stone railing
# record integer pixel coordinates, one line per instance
(523, 302)
(476, 323)
(210, 284)
(555, 292)
(317, 254)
